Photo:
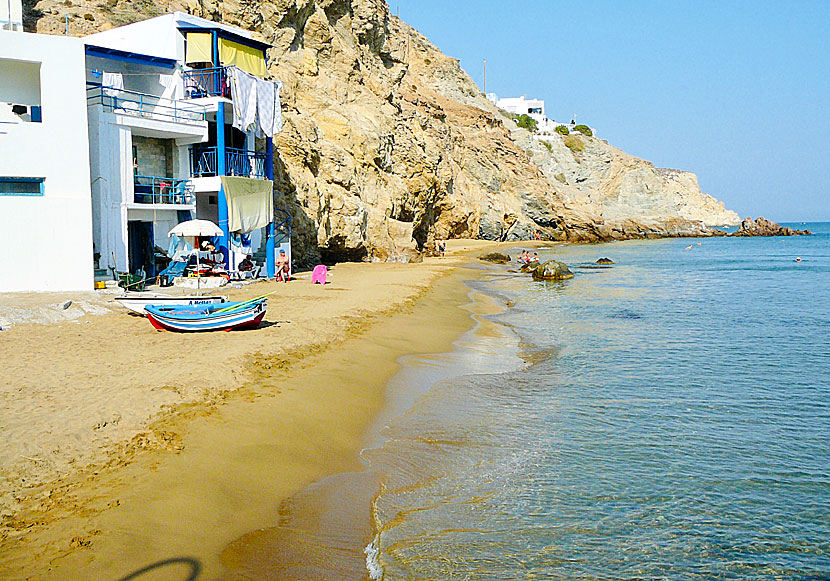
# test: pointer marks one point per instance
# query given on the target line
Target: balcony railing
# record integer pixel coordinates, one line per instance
(158, 190)
(143, 105)
(212, 82)
(238, 162)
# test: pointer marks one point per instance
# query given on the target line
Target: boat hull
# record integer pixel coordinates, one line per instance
(184, 319)
(137, 303)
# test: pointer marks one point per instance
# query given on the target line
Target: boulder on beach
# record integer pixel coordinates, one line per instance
(604, 261)
(497, 257)
(552, 270)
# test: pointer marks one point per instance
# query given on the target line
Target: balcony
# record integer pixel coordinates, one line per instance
(238, 162)
(163, 191)
(145, 106)
(212, 82)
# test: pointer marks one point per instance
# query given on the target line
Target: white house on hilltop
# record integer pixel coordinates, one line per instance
(533, 108)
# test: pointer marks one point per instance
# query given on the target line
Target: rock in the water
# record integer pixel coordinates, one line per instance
(552, 270)
(497, 257)
(528, 266)
(605, 261)
(764, 227)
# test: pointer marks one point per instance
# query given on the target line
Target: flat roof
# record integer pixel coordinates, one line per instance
(225, 33)
(130, 57)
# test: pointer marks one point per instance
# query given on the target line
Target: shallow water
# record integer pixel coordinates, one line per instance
(674, 423)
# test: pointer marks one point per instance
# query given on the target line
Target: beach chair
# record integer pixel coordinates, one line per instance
(174, 269)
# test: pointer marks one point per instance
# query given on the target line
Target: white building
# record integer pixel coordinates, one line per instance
(535, 109)
(45, 209)
(161, 135)
(11, 15)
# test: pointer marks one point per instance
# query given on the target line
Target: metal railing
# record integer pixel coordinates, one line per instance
(212, 82)
(238, 162)
(143, 105)
(159, 190)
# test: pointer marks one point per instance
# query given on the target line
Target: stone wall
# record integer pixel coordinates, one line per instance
(154, 156)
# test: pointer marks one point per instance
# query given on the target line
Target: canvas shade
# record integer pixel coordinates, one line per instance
(250, 203)
(199, 48)
(249, 59)
(196, 228)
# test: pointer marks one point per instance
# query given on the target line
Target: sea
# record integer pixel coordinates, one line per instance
(666, 417)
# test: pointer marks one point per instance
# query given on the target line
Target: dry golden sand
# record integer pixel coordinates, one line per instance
(106, 419)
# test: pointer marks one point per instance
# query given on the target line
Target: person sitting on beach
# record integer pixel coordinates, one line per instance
(246, 264)
(283, 267)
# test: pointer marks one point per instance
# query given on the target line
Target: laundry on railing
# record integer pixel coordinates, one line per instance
(113, 83)
(256, 103)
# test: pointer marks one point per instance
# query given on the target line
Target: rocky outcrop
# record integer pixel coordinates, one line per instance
(497, 257)
(389, 145)
(552, 270)
(604, 261)
(764, 227)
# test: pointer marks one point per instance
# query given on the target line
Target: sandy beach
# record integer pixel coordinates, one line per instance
(122, 444)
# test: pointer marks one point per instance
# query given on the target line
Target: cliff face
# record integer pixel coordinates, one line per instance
(388, 144)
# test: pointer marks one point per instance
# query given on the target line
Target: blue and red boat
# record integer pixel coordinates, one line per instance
(212, 317)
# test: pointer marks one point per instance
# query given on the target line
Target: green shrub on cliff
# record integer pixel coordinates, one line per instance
(574, 143)
(526, 122)
(584, 130)
(547, 145)
(562, 130)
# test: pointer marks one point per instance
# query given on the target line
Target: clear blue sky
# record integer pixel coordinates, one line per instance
(736, 91)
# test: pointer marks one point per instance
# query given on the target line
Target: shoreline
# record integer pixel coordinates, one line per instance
(38, 528)
(327, 528)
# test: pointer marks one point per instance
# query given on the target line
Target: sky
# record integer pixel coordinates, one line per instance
(736, 91)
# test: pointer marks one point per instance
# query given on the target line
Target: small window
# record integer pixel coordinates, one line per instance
(212, 200)
(21, 186)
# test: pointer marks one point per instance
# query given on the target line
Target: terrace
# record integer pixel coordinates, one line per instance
(238, 162)
(145, 106)
(163, 191)
(210, 82)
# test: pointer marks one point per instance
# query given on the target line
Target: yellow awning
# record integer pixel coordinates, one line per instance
(249, 59)
(199, 49)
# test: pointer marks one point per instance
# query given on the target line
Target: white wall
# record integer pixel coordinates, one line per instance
(46, 241)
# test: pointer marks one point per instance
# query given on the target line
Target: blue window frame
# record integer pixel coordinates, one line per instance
(21, 186)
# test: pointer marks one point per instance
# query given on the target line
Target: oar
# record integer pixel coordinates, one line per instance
(244, 303)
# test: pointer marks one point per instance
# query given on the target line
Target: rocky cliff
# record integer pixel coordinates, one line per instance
(388, 144)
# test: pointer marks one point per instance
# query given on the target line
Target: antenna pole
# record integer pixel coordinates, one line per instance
(485, 77)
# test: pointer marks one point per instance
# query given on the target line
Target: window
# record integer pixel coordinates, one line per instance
(21, 186)
(20, 92)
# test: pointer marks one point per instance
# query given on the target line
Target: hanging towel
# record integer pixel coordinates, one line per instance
(268, 108)
(244, 96)
(165, 81)
(113, 83)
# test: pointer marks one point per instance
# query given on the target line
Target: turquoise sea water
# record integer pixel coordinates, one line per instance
(673, 422)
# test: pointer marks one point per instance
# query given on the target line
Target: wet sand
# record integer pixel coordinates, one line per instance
(125, 445)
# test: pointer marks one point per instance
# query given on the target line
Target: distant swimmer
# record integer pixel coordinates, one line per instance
(699, 243)
(798, 259)
(689, 247)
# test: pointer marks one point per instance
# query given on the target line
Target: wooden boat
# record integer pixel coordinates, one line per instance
(214, 317)
(137, 301)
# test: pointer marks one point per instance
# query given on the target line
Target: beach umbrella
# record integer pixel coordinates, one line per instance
(196, 228)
